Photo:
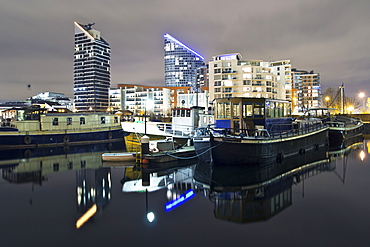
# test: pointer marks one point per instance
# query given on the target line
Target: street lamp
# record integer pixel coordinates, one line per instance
(327, 98)
(350, 109)
(362, 96)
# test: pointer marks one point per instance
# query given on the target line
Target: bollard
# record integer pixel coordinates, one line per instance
(145, 144)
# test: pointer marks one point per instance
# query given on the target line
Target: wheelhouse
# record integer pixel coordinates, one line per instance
(251, 113)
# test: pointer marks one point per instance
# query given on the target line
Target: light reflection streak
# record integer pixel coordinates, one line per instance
(89, 213)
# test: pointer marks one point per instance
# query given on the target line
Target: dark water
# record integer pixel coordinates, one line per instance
(325, 202)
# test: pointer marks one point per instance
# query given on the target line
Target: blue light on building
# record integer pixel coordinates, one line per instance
(180, 63)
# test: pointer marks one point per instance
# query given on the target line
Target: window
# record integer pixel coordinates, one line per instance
(102, 120)
(55, 121)
(217, 83)
(247, 109)
(115, 119)
(235, 110)
(56, 167)
(247, 82)
(82, 121)
(69, 121)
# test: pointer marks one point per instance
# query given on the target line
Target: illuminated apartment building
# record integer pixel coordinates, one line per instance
(307, 89)
(181, 64)
(282, 69)
(230, 76)
(91, 69)
(158, 101)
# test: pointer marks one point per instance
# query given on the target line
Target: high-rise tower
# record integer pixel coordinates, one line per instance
(180, 63)
(91, 69)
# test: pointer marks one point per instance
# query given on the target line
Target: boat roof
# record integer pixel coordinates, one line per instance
(321, 109)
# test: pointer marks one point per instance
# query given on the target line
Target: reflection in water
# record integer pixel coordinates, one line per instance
(93, 182)
(239, 194)
(254, 193)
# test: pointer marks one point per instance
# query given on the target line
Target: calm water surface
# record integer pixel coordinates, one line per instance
(313, 200)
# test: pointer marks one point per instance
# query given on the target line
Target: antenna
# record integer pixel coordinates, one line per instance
(88, 26)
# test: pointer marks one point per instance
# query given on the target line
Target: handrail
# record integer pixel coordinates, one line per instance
(275, 131)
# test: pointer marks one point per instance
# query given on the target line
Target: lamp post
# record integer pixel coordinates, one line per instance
(145, 118)
(327, 98)
(362, 96)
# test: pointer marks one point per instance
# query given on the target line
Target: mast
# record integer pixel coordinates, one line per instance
(342, 97)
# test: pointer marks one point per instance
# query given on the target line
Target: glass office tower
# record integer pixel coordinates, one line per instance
(91, 69)
(180, 63)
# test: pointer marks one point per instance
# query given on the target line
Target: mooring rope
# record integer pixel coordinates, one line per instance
(196, 156)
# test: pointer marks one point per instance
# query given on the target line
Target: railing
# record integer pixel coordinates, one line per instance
(336, 124)
(62, 125)
(276, 131)
(176, 130)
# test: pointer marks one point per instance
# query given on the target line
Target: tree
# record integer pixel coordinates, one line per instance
(332, 99)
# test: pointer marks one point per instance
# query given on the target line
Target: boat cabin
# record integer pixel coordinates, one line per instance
(251, 113)
(193, 117)
(35, 118)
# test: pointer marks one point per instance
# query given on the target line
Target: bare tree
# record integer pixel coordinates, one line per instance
(332, 99)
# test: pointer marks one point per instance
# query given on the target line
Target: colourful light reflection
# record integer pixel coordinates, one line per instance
(89, 213)
(362, 155)
(177, 202)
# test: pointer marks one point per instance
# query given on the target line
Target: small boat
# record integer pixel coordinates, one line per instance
(33, 127)
(180, 129)
(118, 157)
(256, 130)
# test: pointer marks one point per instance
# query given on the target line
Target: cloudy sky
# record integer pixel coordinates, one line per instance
(331, 37)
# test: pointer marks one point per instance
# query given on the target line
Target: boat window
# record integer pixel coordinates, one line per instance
(223, 110)
(182, 113)
(270, 109)
(187, 113)
(102, 120)
(247, 109)
(258, 110)
(227, 110)
(287, 110)
(204, 120)
(115, 119)
(55, 121)
(82, 120)
(236, 110)
(280, 109)
(69, 121)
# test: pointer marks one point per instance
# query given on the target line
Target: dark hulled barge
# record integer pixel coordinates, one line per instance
(258, 131)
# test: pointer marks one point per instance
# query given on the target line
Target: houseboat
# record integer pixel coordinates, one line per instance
(180, 129)
(254, 130)
(33, 127)
(344, 130)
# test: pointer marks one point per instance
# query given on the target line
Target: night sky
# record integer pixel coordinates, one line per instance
(330, 37)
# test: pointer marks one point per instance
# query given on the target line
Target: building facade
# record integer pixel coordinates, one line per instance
(307, 90)
(181, 64)
(230, 76)
(114, 99)
(282, 69)
(91, 69)
(158, 101)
